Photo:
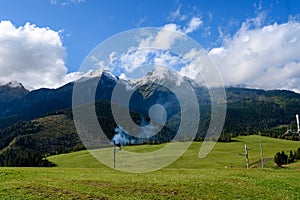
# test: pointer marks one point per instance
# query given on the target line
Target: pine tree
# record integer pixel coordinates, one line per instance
(280, 158)
(291, 157)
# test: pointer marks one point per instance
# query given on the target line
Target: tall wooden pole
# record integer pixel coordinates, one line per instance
(261, 153)
(114, 154)
(247, 156)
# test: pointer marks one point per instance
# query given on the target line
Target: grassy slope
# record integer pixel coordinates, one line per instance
(80, 176)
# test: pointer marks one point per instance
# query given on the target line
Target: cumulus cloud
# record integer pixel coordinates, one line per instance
(138, 62)
(33, 56)
(132, 60)
(266, 57)
(201, 69)
(152, 50)
(257, 55)
(167, 59)
(164, 39)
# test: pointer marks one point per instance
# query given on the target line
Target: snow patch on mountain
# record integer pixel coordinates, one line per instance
(12, 84)
(97, 73)
(15, 84)
(159, 75)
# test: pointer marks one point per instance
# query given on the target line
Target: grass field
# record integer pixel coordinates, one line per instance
(221, 175)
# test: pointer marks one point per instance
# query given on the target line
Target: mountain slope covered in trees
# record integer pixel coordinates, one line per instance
(40, 123)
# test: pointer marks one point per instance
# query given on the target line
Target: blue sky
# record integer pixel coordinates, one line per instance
(82, 24)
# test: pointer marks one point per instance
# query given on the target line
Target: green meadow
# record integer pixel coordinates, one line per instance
(220, 175)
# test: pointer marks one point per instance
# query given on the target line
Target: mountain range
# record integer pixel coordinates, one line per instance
(40, 121)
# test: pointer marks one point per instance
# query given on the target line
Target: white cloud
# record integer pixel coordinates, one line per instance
(193, 25)
(140, 22)
(169, 33)
(132, 60)
(166, 59)
(266, 57)
(164, 39)
(138, 62)
(65, 2)
(201, 69)
(152, 50)
(33, 56)
(177, 14)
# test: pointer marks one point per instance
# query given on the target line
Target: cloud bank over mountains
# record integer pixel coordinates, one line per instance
(33, 56)
(258, 56)
(266, 57)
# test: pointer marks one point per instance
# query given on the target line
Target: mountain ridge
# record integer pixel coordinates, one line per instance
(249, 111)
(11, 91)
(32, 104)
